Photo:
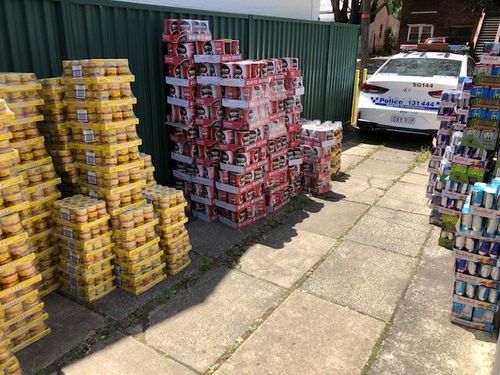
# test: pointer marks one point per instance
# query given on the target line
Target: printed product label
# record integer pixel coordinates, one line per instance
(82, 115)
(80, 92)
(65, 215)
(92, 177)
(88, 136)
(67, 232)
(77, 71)
(90, 158)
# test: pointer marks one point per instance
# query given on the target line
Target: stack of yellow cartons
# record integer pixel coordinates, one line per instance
(139, 264)
(105, 143)
(169, 205)
(21, 91)
(57, 133)
(86, 245)
(20, 307)
(148, 170)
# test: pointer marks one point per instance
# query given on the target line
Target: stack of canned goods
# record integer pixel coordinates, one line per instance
(477, 249)
(57, 133)
(169, 205)
(139, 264)
(23, 96)
(86, 247)
(23, 313)
(148, 170)
(105, 144)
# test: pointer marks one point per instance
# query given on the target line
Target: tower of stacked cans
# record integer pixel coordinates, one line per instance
(57, 133)
(139, 264)
(105, 143)
(148, 170)
(449, 191)
(86, 245)
(169, 206)
(245, 132)
(294, 86)
(318, 139)
(23, 313)
(476, 249)
(22, 94)
(180, 37)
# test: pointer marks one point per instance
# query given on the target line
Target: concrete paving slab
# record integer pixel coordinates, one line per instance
(422, 168)
(395, 155)
(307, 335)
(284, 255)
(406, 197)
(379, 173)
(197, 325)
(120, 303)
(416, 178)
(326, 218)
(396, 231)
(359, 149)
(70, 322)
(122, 355)
(357, 189)
(421, 339)
(364, 278)
(347, 161)
(213, 239)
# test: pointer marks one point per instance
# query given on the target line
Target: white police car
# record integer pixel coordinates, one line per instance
(404, 93)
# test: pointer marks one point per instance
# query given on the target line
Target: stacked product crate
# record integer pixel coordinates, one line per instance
(472, 161)
(169, 206)
(139, 264)
(180, 37)
(476, 249)
(209, 115)
(86, 245)
(22, 311)
(57, 133)
(294, 86)
(449, 191)
(148, 170)
(246, 130)
(22, 94)
(318, 139)
(105, 143)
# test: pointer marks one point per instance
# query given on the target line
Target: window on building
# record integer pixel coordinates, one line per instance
(419, 33)
(459, 34)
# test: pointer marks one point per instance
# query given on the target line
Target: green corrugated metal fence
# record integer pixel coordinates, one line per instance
(35, 35)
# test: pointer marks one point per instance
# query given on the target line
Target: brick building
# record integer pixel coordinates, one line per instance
(421, 19)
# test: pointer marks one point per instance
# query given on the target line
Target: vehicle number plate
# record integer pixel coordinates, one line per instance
(403, 119)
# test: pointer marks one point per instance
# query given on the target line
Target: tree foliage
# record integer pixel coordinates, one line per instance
(349, 11)
(477, 6)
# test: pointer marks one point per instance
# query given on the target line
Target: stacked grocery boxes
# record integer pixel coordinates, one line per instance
(86, 245)
(105, 143)
(148, 170)
(57, 133)
(244, 139)
(180, 37)
(22, 94)
(318, 139)
(139, 264)
(22, 312)
(449, 191)
(209, 115)
(476, 249)
(169, 205)
(294, 85)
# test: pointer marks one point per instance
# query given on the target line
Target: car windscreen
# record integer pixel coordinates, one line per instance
(422, 67)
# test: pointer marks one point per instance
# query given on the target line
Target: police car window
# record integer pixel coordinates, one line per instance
(422, 67)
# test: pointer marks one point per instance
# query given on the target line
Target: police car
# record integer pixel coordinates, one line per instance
(404, 93)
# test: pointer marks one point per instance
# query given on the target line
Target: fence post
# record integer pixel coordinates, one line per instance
(354, 110)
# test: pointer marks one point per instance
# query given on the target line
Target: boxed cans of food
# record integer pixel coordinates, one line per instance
(86, 247)
(169, 205)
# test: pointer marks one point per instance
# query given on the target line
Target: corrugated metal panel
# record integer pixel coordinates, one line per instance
(275, 37)
(40, 33)
(341, 69)
(31, 36)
